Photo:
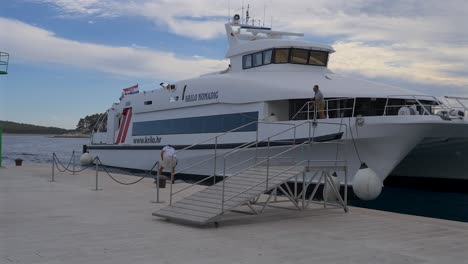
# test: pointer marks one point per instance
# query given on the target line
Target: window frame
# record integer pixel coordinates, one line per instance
(274, 55)
(291, 56)
(244, 60)
(319, 51)
(289, 59)
(271, 56)
(254, 60)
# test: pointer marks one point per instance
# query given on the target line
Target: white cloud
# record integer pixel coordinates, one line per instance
(418, 40)
(422, 65)
(130, 61)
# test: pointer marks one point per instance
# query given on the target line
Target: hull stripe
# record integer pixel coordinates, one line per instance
(127, 124)
(122, 124)
(324, 138)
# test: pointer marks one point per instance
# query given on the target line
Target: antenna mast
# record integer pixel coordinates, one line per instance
(229, 10)
(242, 13)
(264, 11)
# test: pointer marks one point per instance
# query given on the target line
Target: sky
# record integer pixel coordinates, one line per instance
(72, 58)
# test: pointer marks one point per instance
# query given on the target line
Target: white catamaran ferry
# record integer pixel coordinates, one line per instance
(260, 106)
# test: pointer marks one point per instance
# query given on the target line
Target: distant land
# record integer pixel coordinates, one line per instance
(20, 128)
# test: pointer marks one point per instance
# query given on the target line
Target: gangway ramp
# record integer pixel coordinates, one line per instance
(209, 204)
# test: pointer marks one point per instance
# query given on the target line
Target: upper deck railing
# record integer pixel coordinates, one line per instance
(393, 105)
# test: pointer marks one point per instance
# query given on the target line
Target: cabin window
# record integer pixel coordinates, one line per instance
(247, 61)
(281, 55)
(257, 59)
(198, 125)
(319, 58)
(148, 102)
(267, 56)
(299, 56)
(285, 55)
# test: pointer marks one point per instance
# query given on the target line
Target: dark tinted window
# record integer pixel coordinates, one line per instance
(281, 55)
(195, 125)
(319, 58)
(299, 56)
(148, 102)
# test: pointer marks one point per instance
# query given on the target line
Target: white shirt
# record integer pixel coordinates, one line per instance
(319, 96)
(168, 151)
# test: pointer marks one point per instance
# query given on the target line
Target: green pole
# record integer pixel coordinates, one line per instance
(0, 147)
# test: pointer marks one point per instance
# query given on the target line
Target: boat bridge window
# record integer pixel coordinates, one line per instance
(257, 59)
(299, 56)
(247, 61)
(285, 55)
(148, 102)
(267, 55)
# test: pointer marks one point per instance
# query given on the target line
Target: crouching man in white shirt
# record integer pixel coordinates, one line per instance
(168, 157)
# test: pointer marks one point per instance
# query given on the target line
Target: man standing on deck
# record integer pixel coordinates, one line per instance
(168, 157)
(319, 102)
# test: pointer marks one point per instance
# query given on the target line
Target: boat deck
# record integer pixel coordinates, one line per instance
(67, 222)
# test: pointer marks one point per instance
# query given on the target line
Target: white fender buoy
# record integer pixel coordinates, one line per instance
(366, 184)
(86, 159)
(328, 190)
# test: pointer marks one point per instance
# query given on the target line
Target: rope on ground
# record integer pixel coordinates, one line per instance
(125, 183)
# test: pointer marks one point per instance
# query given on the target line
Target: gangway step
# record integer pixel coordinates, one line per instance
(207, 205)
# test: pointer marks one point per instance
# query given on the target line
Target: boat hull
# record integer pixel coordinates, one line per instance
(382, 143)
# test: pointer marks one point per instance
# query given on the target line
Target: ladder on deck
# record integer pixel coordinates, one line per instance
(247, 185)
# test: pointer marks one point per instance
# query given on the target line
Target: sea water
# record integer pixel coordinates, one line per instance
(39, 148)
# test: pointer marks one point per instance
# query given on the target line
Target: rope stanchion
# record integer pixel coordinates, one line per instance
(97, 174)
(53, 168)
(73, 157)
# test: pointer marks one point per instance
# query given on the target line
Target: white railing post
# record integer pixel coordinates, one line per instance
(268, 163)
(214, 167)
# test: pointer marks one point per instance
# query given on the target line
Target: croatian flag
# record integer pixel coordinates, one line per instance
(131, 90)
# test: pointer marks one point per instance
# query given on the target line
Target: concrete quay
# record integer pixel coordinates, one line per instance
(68, 222)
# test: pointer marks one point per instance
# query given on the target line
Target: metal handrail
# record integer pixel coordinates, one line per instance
(268, 138)
(211, 176)
(224, 133)
(458, 98)
(417, 98)
(245, 145)
(303, 143)
(269, 158)
(308, 161)
(326, 110)
(97, 124)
